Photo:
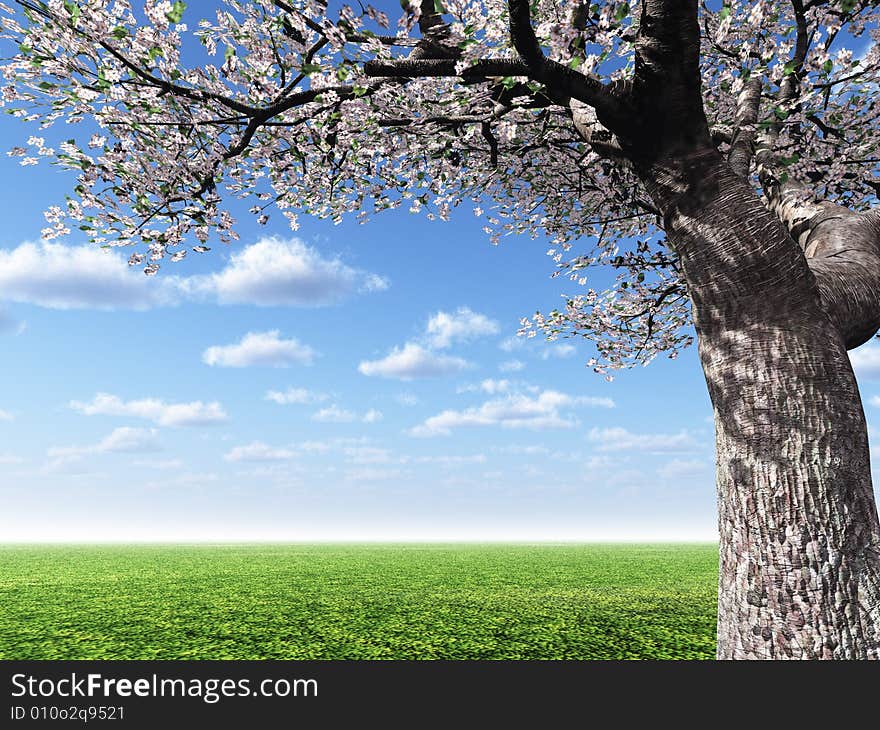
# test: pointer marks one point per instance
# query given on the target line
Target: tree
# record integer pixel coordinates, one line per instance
(718, 158)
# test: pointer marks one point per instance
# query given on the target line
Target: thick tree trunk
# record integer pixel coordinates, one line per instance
(799, 534)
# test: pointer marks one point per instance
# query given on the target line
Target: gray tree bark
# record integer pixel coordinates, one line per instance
(780, 288)
(799, 533)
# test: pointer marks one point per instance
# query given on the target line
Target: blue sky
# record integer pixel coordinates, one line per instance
(346, 383)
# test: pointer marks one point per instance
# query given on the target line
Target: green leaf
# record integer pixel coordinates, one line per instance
(359, 91)
(229, 53)
(176, 13)
(310, 68)
(119, 32)
(622, 11)
(724, 12)
(73, 10)
(438, 7)
(827, 66)
(788, 69)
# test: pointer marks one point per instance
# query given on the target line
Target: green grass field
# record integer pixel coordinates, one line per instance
(358, 602)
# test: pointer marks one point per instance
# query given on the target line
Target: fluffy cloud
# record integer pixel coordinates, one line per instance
(490, 386)
(372, 416)
(543, 411)
(619, 439)
(561, 351)
(511, 366)
(683, 468)
(298, 396)
(270, 272)
(121, 440)
(412, 361)
(78, 277)
(275, 272)
(257, 451)
(463, 325)
(514, 344)
(407, 399)
(335, 414)
(510, 344)
(866, 361)
(6, 415)
(195, 413)
(260, 348)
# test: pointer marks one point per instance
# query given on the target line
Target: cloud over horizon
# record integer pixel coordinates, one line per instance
(122, 440)
(542, 411)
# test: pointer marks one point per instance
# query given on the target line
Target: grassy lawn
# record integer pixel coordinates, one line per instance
(358, 602)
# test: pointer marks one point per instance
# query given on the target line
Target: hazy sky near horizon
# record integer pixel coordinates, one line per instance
(345, 382)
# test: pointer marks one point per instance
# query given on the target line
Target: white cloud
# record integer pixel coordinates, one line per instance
(866, 361)
(274, 272)
(523, 449)
(369, 455)
(561, 351)
(451, 461)
(55, 276)
(6, 415)
(514, 411)
(493, 386)
(259, 452)
(195, 413)
(121, 440)
(407, 399)
(334, 414)
(10, 459)
(372, 416)
(683, 468)
(270, 272)
(514, 344)
(511, 366)
(260, 349)
(298, 396)
(875, 400)
(463, 325)
(619, 439)
(412, 361)
(510, 344)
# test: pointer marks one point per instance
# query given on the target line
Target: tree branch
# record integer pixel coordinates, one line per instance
(562, 81)
(742, 146)
(429, 67)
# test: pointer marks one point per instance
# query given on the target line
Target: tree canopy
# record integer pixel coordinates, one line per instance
(501, 107)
